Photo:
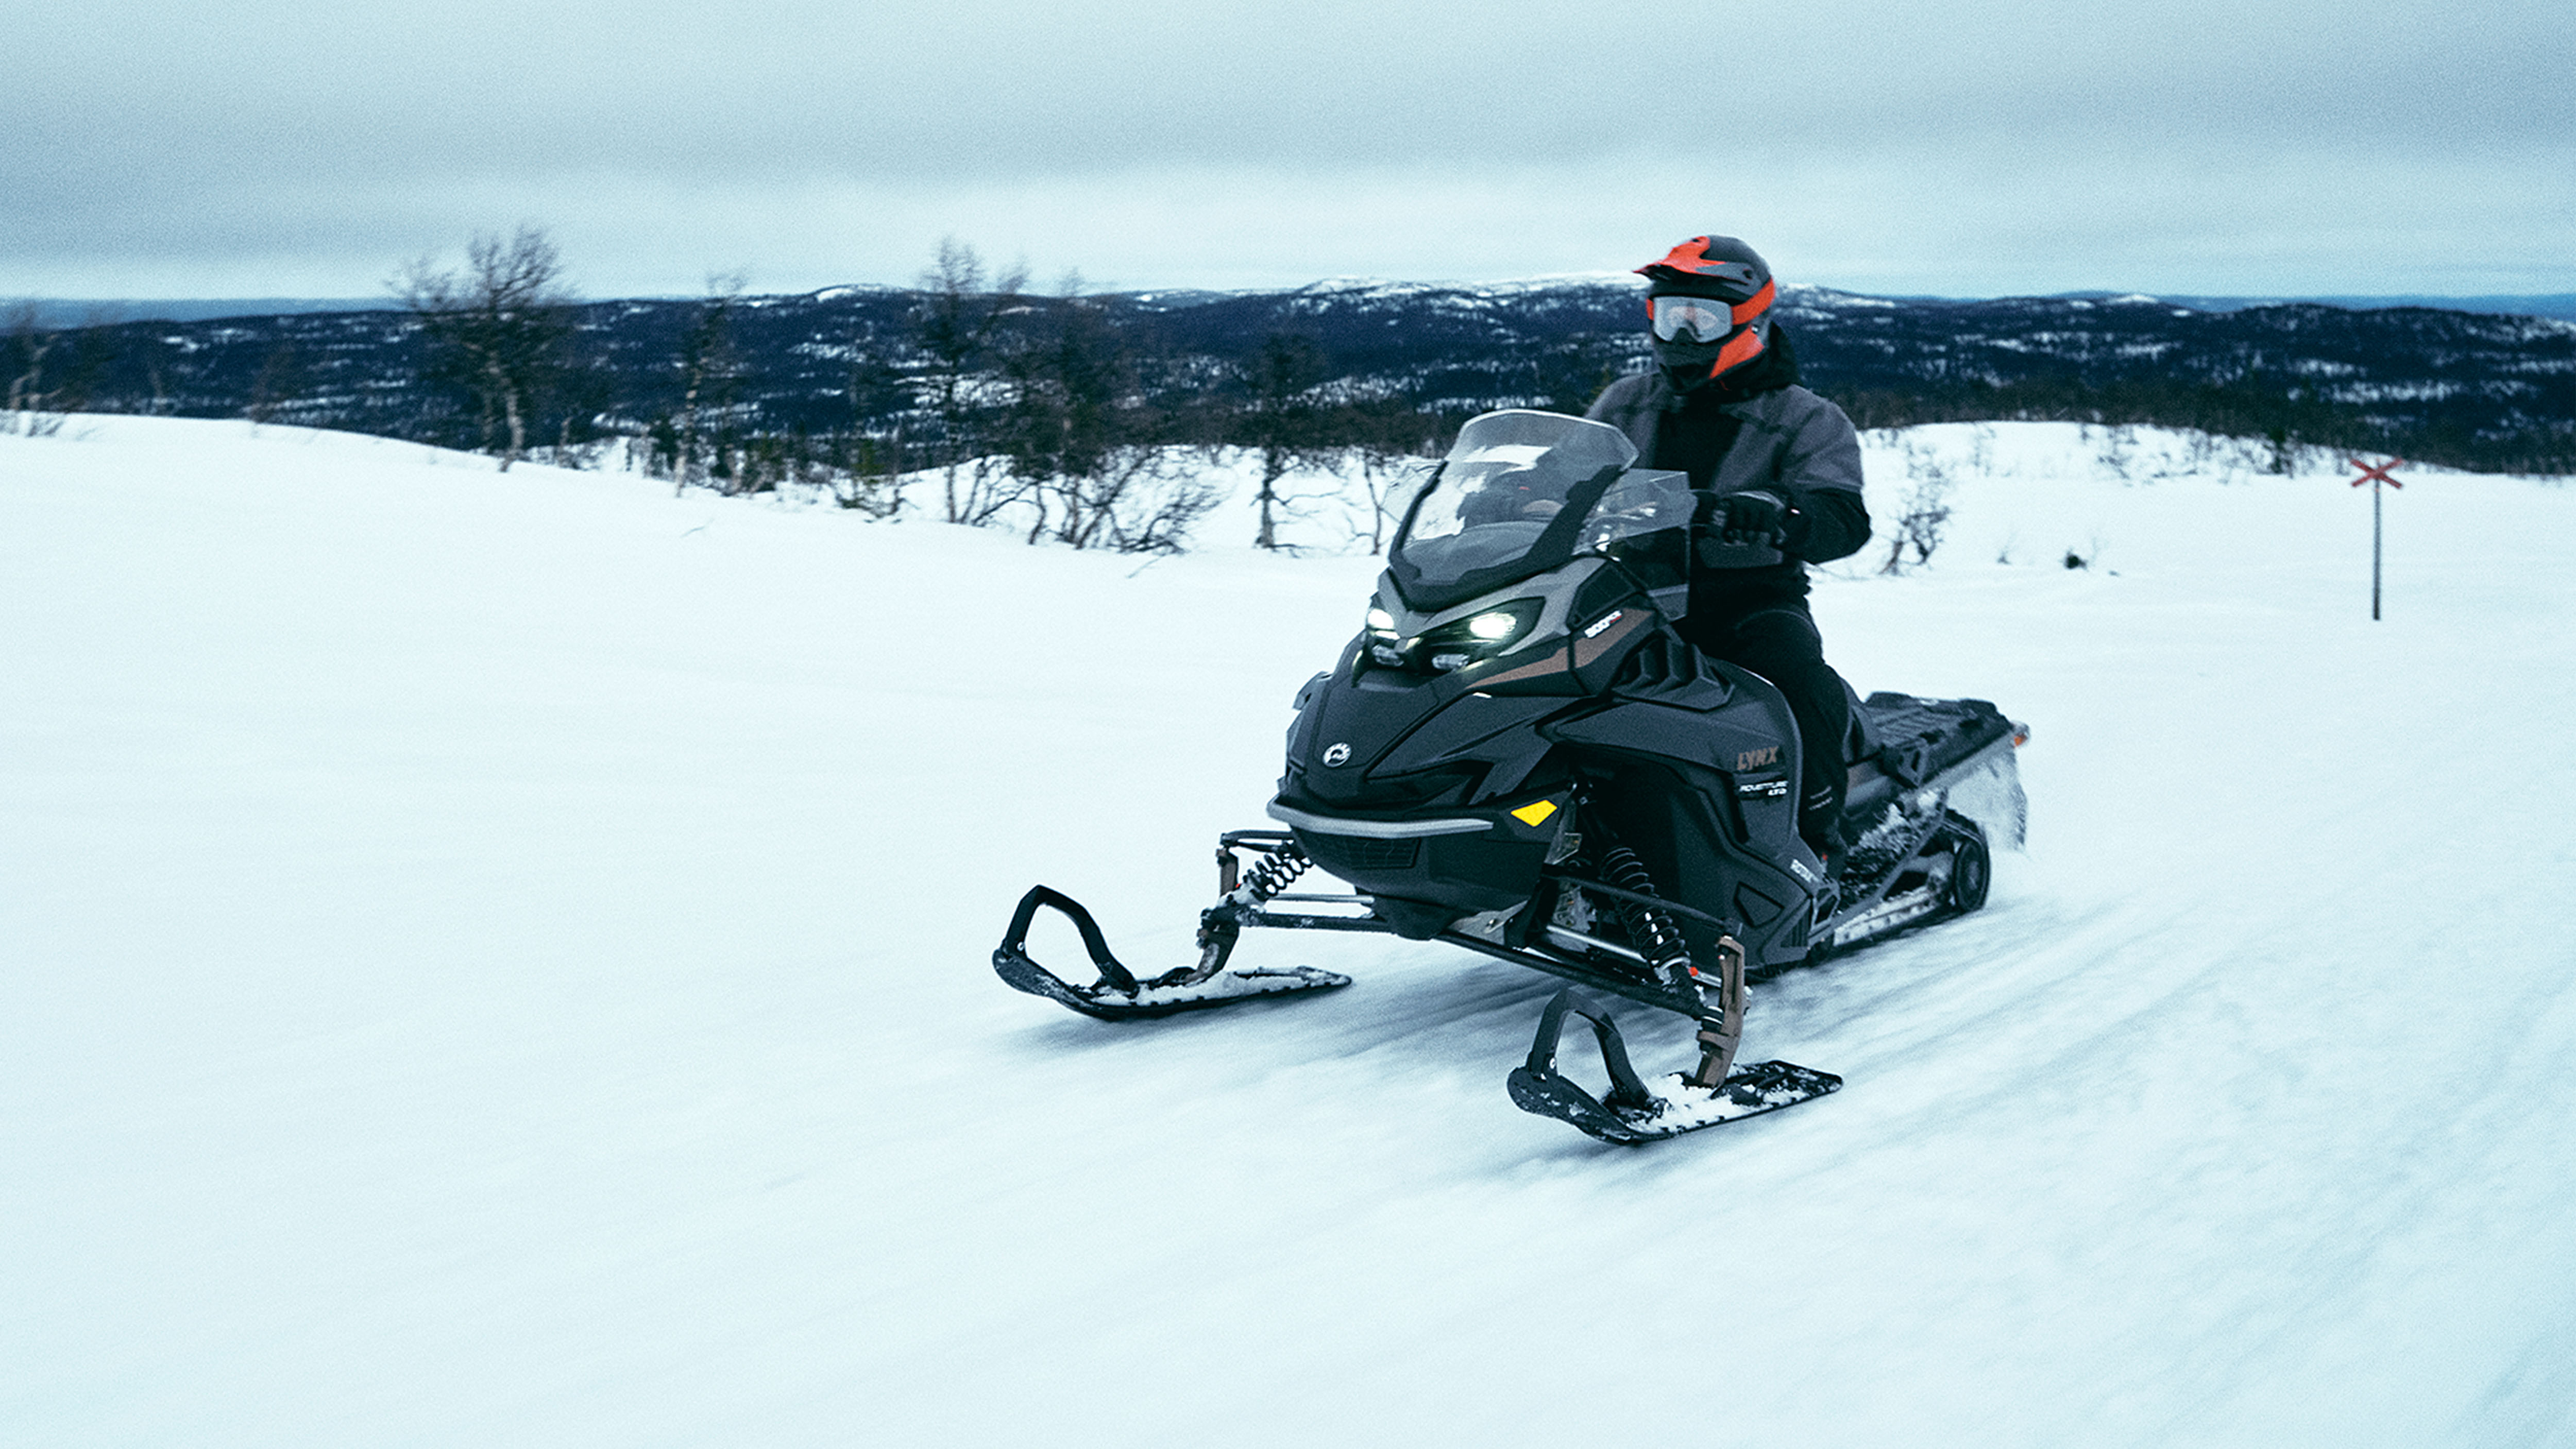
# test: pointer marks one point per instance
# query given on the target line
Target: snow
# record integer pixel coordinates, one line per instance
(1464, 294)
(502, 959)
(1801, 294)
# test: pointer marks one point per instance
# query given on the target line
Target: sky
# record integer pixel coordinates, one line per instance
(1991, 147)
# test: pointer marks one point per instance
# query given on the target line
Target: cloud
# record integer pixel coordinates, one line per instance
(1976, 147)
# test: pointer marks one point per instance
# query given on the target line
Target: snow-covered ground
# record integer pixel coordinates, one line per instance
(502, 960)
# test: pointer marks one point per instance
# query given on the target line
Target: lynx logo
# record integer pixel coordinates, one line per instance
(1756, 759)
(1337, 754)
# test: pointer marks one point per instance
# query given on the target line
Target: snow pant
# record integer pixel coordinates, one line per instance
(1777, 639)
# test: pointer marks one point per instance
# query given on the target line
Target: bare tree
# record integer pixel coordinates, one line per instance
(1283, 424)
(959, 326)
(502, 321)
(1389, 448)
(32, 407)
(1088, 455)
(710, 370)
(2118, 448)
(157, 363)
(278, 381)
(866, 474)
(1926, 514)
(869, 468)
(1066, 380)
(1131, 498)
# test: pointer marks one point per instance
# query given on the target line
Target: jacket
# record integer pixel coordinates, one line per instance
(1792, 443)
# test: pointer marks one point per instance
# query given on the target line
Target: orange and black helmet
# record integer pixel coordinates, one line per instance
(1708, 302)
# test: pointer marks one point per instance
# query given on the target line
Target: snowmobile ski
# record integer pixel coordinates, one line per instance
(1635, 1110)
(1118, 995)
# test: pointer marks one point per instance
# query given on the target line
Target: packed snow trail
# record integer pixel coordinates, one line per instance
(500, 959)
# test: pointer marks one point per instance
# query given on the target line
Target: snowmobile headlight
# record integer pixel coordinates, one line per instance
(1383, 645)
(1461, 642)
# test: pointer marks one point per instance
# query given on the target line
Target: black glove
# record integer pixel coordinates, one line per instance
(1757, 517)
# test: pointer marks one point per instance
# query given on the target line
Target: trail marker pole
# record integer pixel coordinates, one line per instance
(2374, 475)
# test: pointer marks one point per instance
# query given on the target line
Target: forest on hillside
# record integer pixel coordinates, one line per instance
(1013, 393)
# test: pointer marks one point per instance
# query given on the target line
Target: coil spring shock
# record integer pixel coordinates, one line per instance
(1221, 924)
(1271, 874)
(1653, 932)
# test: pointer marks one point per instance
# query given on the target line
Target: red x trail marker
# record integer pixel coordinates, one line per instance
(2375, 474)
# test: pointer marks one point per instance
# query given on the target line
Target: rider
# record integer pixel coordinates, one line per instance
(1782, 466)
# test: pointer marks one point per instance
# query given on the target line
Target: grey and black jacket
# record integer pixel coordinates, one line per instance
(1779, 438)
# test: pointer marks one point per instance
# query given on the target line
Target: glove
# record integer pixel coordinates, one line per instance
(1757, 517)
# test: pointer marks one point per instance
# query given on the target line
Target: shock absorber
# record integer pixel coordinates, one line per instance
(1652, 931)
(1721, 1020)
(1221, 924)
(1277, 868)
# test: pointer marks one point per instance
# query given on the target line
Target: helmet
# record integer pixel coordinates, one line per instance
(1708, 302)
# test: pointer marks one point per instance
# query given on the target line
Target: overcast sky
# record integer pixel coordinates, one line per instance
(303, 148)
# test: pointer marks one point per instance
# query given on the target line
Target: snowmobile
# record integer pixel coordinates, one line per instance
(1520, 756)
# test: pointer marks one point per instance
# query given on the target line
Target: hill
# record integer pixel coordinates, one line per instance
(2468, 389)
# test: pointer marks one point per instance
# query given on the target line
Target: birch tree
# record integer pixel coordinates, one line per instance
(959, 327)
(501, 324)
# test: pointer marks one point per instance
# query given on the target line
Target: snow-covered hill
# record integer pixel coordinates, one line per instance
(501, 959)
(2492, 392)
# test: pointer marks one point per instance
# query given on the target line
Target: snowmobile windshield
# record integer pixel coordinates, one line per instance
(1523, 492)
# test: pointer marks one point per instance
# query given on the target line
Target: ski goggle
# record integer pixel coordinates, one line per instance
(1700, 319)
(1705, 319)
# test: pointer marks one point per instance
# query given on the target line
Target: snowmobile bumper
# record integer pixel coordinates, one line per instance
(1635, 1110)
(1118, 995)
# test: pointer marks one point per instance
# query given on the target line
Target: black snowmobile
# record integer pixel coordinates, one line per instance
(1520, 756)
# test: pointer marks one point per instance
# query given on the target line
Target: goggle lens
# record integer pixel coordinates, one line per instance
(1698, 318)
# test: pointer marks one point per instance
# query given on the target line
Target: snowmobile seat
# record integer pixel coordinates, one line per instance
(1915, 739)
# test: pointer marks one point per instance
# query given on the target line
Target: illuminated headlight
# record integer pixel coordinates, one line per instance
(1383, 647)
(1489, 631)
(1456, 644)
(1461, 642)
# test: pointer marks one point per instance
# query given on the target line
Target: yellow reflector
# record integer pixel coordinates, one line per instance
(1533, 814)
